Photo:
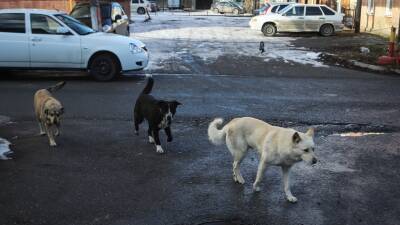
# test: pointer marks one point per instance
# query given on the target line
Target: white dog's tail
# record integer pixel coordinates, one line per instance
(215, 135)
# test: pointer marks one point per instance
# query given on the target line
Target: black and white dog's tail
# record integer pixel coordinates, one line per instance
(56, 87)
(149, 86)
(215, 135)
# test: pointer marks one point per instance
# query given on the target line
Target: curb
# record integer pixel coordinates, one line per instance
(373, 67)
(354, 64)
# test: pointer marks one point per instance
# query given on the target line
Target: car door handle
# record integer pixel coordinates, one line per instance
(321, 18)
(300, 18)
(36, 39)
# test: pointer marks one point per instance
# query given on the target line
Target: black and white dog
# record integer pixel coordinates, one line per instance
(158, 113)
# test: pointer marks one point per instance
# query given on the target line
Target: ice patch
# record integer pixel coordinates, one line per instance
(357, 134)
(5, 149)
(334, 167)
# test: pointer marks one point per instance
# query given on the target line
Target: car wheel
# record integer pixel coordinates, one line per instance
(141, 11)
(236, 11)
(326, 30)
(104, 67)
(216, 10)
(269, 29)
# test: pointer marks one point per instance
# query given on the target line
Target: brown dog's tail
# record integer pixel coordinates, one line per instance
(149, 86)
(56, 87)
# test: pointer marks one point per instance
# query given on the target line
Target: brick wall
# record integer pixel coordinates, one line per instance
(377, 21)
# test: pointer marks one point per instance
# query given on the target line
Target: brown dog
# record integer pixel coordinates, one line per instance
(48, 112)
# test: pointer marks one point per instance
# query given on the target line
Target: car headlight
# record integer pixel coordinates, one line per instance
(134, 48)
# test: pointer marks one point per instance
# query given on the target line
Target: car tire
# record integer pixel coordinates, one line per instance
(104, 67)
(216, 10)
(236, 11)
(269, 29)
(327, 30)
(141, 11)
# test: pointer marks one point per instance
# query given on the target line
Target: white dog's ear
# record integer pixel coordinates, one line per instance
(310, 132)
(296, 138)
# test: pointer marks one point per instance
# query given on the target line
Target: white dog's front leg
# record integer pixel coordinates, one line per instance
(260, 173)
(286, 185)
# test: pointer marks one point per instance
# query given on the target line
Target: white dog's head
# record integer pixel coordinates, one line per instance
(303, 146)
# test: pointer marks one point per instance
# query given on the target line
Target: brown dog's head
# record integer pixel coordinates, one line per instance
(53, 114)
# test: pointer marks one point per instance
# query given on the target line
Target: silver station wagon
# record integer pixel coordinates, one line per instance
(299, 18)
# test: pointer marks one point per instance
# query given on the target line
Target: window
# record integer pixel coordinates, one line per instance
(327, 11)
(12, 22)
(313, 11)
(81, 11)
(275, 8)
(296, 11)
(370, 6)
(135, 1)
(75, 25)
(389, 6)
(141, 1)
(42, 24)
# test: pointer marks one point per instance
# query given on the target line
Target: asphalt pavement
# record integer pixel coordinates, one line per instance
(101, 173)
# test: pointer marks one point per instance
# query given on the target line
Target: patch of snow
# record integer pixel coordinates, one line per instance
(357, 134)
(5, 149)
(180, 37)
(364, 50)
(368, 66)
(335, 167)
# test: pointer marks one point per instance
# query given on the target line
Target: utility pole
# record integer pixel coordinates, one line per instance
(94, 15)
(357, 16)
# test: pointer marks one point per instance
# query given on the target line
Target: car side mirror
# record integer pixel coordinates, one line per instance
(62, 30)
(117, 17)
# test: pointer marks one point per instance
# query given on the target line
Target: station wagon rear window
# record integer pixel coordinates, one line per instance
(327, 11)
(12, 22)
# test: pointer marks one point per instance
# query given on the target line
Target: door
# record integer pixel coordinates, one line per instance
(14, 40)
(134, 5)
(50, 48)
(292, 19)
(313, 18)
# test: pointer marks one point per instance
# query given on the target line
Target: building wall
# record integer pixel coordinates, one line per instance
(377, 21)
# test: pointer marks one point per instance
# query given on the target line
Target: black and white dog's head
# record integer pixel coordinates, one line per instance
(168, 110)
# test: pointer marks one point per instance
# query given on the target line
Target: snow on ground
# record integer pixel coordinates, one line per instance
(4, 149)
(180, 36)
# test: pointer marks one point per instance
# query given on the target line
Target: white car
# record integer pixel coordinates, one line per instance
(140, 6)
(45, 39)
(299, 18)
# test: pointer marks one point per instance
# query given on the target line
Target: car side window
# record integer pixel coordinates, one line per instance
(42, 24)
(12, 22)
(141, 1)
(327, 11)
(275, 8)
(296, 11)
(135, 1)
(313, 11)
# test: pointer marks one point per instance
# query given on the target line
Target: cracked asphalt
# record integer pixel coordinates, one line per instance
(102, 174)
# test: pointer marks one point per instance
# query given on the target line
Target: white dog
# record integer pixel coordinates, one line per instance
(276, 145)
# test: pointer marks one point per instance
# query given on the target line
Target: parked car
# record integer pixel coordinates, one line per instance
(299, 18)
(46, 39)
(140, 6)
(113, 17)
(227, 7)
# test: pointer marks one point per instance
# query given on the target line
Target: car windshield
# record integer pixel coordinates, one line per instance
(75, 25)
